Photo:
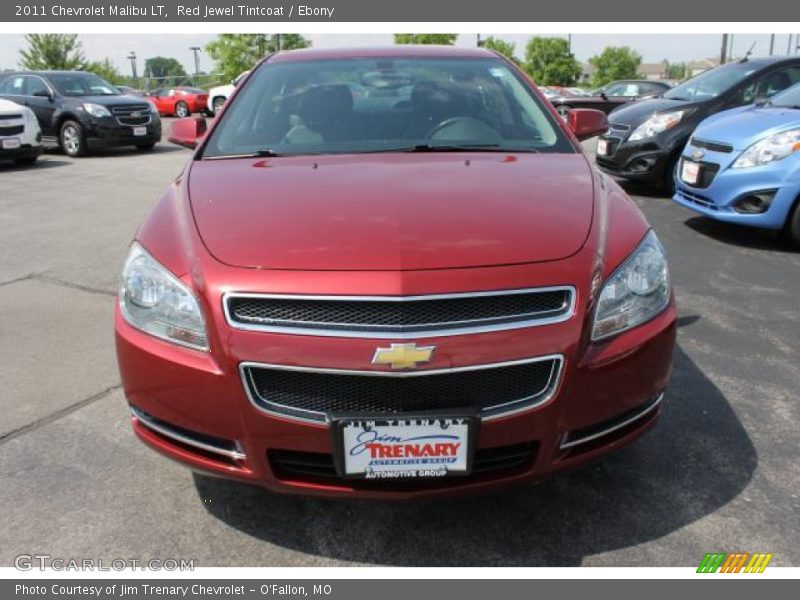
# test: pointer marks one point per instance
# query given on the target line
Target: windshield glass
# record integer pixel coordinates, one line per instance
(82, 84)
(711, 83)
(790, 98)
(385, 104)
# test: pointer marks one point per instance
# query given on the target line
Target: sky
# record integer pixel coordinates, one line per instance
(653, 48)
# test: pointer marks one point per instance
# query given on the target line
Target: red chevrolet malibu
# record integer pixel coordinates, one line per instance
(392, 273)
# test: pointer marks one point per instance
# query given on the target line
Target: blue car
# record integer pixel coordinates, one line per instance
(743, 166)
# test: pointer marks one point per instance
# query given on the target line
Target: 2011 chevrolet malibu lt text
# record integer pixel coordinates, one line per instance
(392, 273)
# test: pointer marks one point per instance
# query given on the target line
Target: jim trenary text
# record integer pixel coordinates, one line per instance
(180, 591)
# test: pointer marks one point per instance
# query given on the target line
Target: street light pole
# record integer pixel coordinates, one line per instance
(723, 54)
(771, 44)
(196, 51)
(132, 58)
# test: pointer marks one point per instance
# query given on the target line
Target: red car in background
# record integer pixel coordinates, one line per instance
(425, 290)
(179, 101)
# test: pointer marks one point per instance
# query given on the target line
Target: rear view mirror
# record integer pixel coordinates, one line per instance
(188, 132)
(586, 122)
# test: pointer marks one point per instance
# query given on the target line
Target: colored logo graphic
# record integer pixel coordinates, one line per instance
(737, 562)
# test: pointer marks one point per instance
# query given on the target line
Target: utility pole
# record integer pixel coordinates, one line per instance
(277, 42)
(478, 41)
(723, 54)
(730, 47)
(771, 44)
(196, 51)
(789, 45)
(569, 43)
(132, 58)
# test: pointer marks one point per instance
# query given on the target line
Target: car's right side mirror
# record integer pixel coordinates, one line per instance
(188, 132)
(586, 123)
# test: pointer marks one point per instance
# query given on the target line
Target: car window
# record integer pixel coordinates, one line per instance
(82, 84)
(789, 98)
(779, 80)
(710, 84)
(13, 85)
(387, 104)
(34, 86)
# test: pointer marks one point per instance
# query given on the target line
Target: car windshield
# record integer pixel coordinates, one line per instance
(789, 98)
(711, 83)
(82, 84)
(385, 104)
(191, 90)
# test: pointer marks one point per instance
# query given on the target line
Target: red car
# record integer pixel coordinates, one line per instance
(179, 101)
(430, 293)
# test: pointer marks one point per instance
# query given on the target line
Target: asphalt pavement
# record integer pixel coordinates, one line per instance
(720, 472)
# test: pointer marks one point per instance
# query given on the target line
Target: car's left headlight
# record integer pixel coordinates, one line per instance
(153, 107)
(636, 291)
(657, 124)
(96, 110)
(154, 300)
(769, 149)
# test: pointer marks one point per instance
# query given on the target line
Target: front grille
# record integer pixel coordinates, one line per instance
(132, 114)
(319, 467)
(317, 394)
(713, 146)
(394, 316)
(13, 130)
(697, 199)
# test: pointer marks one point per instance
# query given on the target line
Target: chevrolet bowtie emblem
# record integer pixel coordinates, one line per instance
(403, 356)
(698, 154)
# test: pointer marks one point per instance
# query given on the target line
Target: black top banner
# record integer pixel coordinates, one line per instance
(441, 11)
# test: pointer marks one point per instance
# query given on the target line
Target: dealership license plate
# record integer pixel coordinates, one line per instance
(404, 448)
(690, 172)
(140, 131)
(602, 147)
(11, 144)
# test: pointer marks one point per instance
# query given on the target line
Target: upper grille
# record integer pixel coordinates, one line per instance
(713, 146)
(394, 316)
(132, 114)
(317, 394)
(10, 117)
(13, 130)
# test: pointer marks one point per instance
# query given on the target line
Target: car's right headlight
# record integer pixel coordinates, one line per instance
(637, 291)
(96, 110)
(769, 149)
(656, 124)
(155, 301)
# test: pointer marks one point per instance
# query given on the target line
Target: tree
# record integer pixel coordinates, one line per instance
(160, 67)
(677, 71)
(549, 62)
(442, 39)
(615, 62)
(105, 69)
(235, 52)
(57, 51)
(501, 46)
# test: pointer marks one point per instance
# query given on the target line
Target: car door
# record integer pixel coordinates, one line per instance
(40, 98)
(159, 98)
(620, 93)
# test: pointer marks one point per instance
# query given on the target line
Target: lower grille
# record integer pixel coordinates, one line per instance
(319, 467)
(134, 121)
(13, 130)
(697, 199)
(317, 394)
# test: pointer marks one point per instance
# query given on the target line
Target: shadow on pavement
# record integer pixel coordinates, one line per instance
(42, 163)
(737, 235)
(696, 459)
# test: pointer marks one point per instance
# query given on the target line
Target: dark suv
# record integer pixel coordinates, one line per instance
(78, 110)
(644, 139)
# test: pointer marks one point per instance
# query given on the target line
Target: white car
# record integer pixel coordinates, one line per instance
(20, 135)
(218, 95)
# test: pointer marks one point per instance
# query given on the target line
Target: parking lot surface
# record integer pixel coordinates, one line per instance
(720, 472)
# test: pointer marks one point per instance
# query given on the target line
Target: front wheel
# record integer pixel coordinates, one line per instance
(72, 138)
(217, 104)
(668, 182)
(182, 109)
(791, 230)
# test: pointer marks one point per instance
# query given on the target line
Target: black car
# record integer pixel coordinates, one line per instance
(78, 111)
(611, 95)
(644, 140)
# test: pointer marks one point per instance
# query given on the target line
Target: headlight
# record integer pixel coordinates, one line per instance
(96, 110)
(656, 124)
(636, 292)
(769, 149)
(153, 107)
(154, 300)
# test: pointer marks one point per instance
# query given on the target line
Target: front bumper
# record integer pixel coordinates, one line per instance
(107, 132)
(25, 151)
(608, 395)
(645, 160)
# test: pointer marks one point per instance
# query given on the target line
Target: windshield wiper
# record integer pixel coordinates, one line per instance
(267, 152)
(463, 148)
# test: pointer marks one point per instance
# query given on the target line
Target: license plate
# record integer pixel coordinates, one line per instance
(140, 131)
(11, 144)
(602, 147)
(690, 172)
(404, 448)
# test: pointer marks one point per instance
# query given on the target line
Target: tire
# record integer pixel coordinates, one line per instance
(217, 104)
(668, 182)
(145, 147)
(182, 110)
(24, 162)
(791, 231)
(72, 139)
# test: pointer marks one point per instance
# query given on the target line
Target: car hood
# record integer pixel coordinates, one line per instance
(392, 211)
(221, 90)
(636, 113)
(108, 100)
(9, 107)
(742, 127)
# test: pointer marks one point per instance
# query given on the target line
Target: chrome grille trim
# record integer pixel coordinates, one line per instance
(392, 332)
(543, 397)
(567, 443)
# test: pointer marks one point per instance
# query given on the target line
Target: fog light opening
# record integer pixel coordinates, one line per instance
(755, 203)
(640, 165)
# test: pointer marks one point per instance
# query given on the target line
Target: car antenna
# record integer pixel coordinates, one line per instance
(749, 52)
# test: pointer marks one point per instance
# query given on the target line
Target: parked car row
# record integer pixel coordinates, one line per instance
(608, 97)
(724, 142)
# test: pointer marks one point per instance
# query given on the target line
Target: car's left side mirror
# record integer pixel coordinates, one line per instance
(188, 132)
(586, 122)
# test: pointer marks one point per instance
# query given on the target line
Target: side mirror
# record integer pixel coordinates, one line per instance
(586, 122)
(188, 132)
(43, 94)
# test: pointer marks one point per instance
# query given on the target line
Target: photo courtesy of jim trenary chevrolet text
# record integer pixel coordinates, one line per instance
(352, 299)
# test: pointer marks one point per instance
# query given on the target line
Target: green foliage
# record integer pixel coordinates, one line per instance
(57, 51)
(442, 39)
(162, 66)
(234, 52)
(677, 71)
(549, 62)
(615, 62)
(105, 69)
(501, 46)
